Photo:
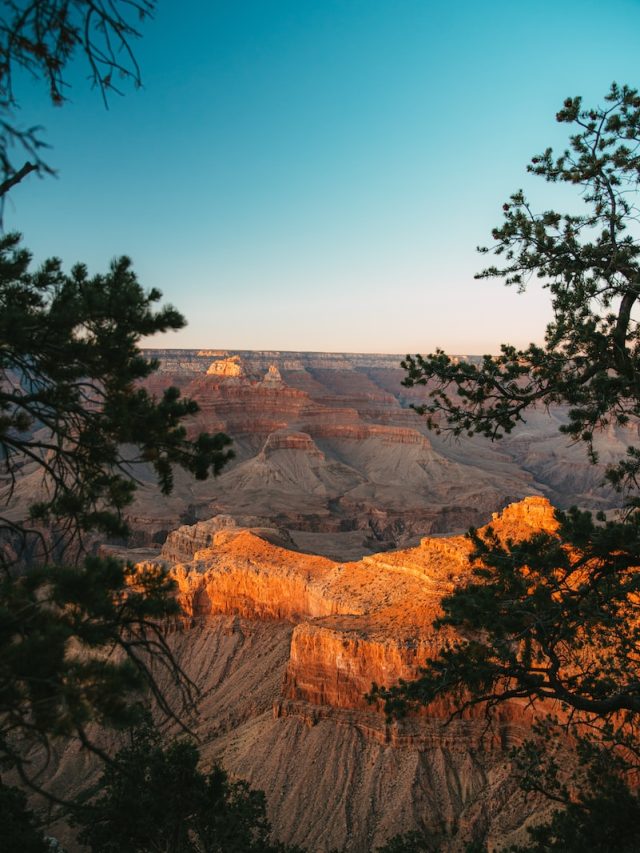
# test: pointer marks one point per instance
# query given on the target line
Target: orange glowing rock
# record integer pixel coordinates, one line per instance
(356, 623)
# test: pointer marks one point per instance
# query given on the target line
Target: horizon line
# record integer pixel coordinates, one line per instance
(222, 350)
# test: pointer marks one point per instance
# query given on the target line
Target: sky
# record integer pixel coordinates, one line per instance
(317, 174)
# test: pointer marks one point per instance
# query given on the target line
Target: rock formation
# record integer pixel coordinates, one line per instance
(329, 449)
(336, 772)
(272, 376)
(368, 476)
(227, 367)
(283, 647)
(296, 600)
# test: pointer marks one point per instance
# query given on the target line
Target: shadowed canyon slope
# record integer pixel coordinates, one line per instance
(329, 449)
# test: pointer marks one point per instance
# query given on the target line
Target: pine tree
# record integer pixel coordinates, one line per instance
(155, 798)
(81, 638)
(42, 37)
(556, 617)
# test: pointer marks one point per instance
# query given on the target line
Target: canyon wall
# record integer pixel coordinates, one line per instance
(296, 597)
(283, 647)
(296, 722)
(328, 448)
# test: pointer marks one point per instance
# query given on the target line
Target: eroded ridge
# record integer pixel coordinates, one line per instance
(355, 623)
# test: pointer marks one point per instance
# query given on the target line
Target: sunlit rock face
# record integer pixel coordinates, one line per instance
(184, 542)
(356, 623)
(272, 376)
(302, 639)
(284, 645)
(227, 367)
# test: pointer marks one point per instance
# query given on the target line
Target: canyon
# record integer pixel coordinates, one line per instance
(314, 566)
(329, 450)
(284, 647)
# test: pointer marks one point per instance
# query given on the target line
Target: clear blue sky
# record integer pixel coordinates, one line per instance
(316, 174)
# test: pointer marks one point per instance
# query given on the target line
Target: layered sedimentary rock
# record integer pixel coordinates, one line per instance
(345, 625)
(183, 543)
(227, 367)
(371, 620)
(283, 647)
(370, 476)
(272, 376)
(246, 575)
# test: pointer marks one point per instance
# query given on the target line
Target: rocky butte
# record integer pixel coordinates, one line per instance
(284, 646)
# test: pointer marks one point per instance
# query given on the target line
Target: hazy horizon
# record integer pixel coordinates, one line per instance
(220, 350)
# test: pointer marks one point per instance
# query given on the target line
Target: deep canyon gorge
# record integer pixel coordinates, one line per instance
(315, 565)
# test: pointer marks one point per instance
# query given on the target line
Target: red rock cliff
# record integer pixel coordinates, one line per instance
(357, 623)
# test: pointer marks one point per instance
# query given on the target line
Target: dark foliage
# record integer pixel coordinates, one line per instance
(70, 402)
(409, 842)
(19, 829)
(541, 620)
(416, 842)
(80, 645)
(158, 800)
(81, 638)
(589, 263)
(599, 810)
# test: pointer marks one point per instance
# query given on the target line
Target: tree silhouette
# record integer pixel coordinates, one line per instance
(80, 638)
(42, 37)
(556, 617)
